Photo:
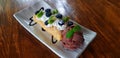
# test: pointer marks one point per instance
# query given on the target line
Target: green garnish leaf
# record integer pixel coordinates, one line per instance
(40, 14)
(69, 34)
(50, 21)
(55, 11)
(76, 28)
(51, 18)
(65, 19)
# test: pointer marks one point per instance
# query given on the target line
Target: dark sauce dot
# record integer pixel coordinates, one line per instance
(64, 43)
(42, 8)
(43, 29)
(31, 18)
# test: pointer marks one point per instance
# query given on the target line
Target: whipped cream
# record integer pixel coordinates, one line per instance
(55, 23)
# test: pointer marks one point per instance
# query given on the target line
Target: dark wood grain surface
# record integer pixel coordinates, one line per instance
(102, 16)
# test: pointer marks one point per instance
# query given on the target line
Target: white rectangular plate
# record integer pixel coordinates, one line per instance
(23, 18)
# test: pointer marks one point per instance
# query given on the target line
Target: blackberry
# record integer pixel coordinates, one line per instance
(59, 16)
(69, 23)
(61, 22)
(46, 22)
(48, 10)
(48, 14)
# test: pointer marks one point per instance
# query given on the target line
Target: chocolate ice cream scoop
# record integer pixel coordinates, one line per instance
(74, 42)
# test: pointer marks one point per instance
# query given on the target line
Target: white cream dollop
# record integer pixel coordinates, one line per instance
(43, 18)
(58, 26)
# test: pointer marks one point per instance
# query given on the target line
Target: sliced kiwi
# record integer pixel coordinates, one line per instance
(40, 14)
(51, 19)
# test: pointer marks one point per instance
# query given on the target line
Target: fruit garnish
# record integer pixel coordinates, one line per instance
(59, 16)
(55, 11)
(46, 22)
(40, 14)
(48, 10)
(66, 18)
(69, 23)
(61, 22)
(48, 14)
(51, 19)
(70, 33)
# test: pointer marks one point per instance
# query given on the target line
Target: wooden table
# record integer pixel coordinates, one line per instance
(102, 16)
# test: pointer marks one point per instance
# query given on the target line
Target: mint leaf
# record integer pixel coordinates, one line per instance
(76, 28)
(50, 21)
(51, 17)
(40, 14)
(65, 19)
(69, 34)
(55, 11)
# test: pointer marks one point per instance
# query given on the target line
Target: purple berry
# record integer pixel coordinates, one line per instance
(59, 16)
(61, 22)
(69, 23)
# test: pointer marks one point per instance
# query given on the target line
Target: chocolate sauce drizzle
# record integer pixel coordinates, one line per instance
(42, 8)
(31, 22)
(53, 40)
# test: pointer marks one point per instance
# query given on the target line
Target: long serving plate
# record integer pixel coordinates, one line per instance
(23, 18)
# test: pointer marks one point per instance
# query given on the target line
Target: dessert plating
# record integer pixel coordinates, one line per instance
(60, 27)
